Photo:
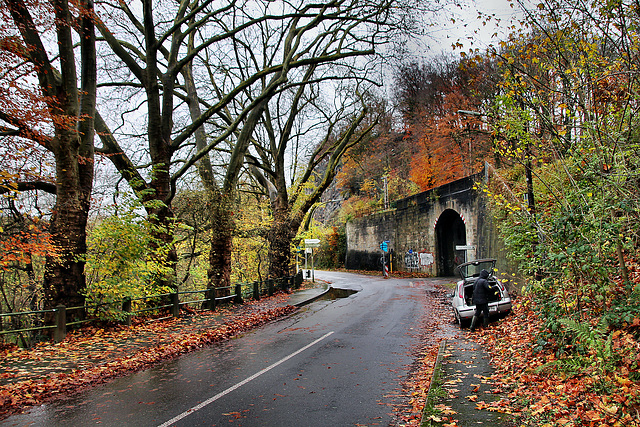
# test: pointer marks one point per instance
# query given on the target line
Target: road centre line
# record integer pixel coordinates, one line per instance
(241, 383)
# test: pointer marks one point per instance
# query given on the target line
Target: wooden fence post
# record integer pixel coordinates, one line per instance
(126, 308)
(175, 304)
(256, 290)
(238, 299)
(61, 323)
(211, 296)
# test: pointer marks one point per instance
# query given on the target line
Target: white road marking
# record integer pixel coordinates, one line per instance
(241, 383)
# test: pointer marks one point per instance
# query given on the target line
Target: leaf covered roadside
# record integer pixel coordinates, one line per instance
(415, 388)
(566, 383)
(548, 387)
(92, 355)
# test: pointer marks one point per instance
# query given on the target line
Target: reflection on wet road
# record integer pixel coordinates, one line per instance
(337, 361)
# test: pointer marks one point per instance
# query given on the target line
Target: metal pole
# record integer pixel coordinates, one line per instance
(386, 193)
(313, 277)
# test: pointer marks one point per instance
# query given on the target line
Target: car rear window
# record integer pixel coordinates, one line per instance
(473, 270)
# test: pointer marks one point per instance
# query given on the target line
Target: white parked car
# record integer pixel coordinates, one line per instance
(461, 299)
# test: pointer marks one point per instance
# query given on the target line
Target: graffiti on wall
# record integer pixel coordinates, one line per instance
(411, 260)
(426, 259)
(414, 260)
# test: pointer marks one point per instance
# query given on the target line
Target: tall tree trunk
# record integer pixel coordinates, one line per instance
(220, 206)
(289, 210)
(160, 215)
(162, 245)
(280, 236)
(72, 113)
(64, 274)
(223, 230)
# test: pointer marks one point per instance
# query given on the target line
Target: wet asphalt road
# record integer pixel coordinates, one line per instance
(333, 363)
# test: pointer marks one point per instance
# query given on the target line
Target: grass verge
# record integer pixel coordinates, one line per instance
(431, 415)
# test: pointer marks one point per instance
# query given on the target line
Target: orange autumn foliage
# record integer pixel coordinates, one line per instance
(20, 247)
(448, 145)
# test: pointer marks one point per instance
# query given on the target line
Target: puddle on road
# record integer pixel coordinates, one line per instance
(335, 293)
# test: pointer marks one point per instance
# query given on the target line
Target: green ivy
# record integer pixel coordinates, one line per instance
(120, 261)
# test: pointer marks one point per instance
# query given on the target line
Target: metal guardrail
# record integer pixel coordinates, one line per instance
(241, 291)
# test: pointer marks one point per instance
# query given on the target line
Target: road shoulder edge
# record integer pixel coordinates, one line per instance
(434, 385)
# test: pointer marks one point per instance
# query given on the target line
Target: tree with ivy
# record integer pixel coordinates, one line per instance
(122, 260)
(49, 83)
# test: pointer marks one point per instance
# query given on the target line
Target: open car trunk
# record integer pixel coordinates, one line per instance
(468, 292)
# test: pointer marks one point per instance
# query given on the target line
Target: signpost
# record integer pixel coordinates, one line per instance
(385, 248)
(309, 244)
(465, 248)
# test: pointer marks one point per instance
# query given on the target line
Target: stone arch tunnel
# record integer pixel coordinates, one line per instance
(450, 236)
(430, 232)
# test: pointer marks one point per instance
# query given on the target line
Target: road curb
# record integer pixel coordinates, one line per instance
(468, 391)
(437, 371)
(327, 288)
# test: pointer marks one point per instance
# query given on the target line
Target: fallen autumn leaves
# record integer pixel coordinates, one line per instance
(548, 397)
(416, 386)
(535, 395)
(98, 359)
(540, 397)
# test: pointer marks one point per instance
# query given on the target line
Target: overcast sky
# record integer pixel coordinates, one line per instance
(468, 29)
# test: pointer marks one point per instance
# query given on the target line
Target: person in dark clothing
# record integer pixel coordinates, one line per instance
(481, 293)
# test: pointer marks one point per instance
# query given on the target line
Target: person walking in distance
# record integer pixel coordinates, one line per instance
(481, 293)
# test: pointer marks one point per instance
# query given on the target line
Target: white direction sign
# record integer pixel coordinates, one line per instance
(465, 247)
(311, 243)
